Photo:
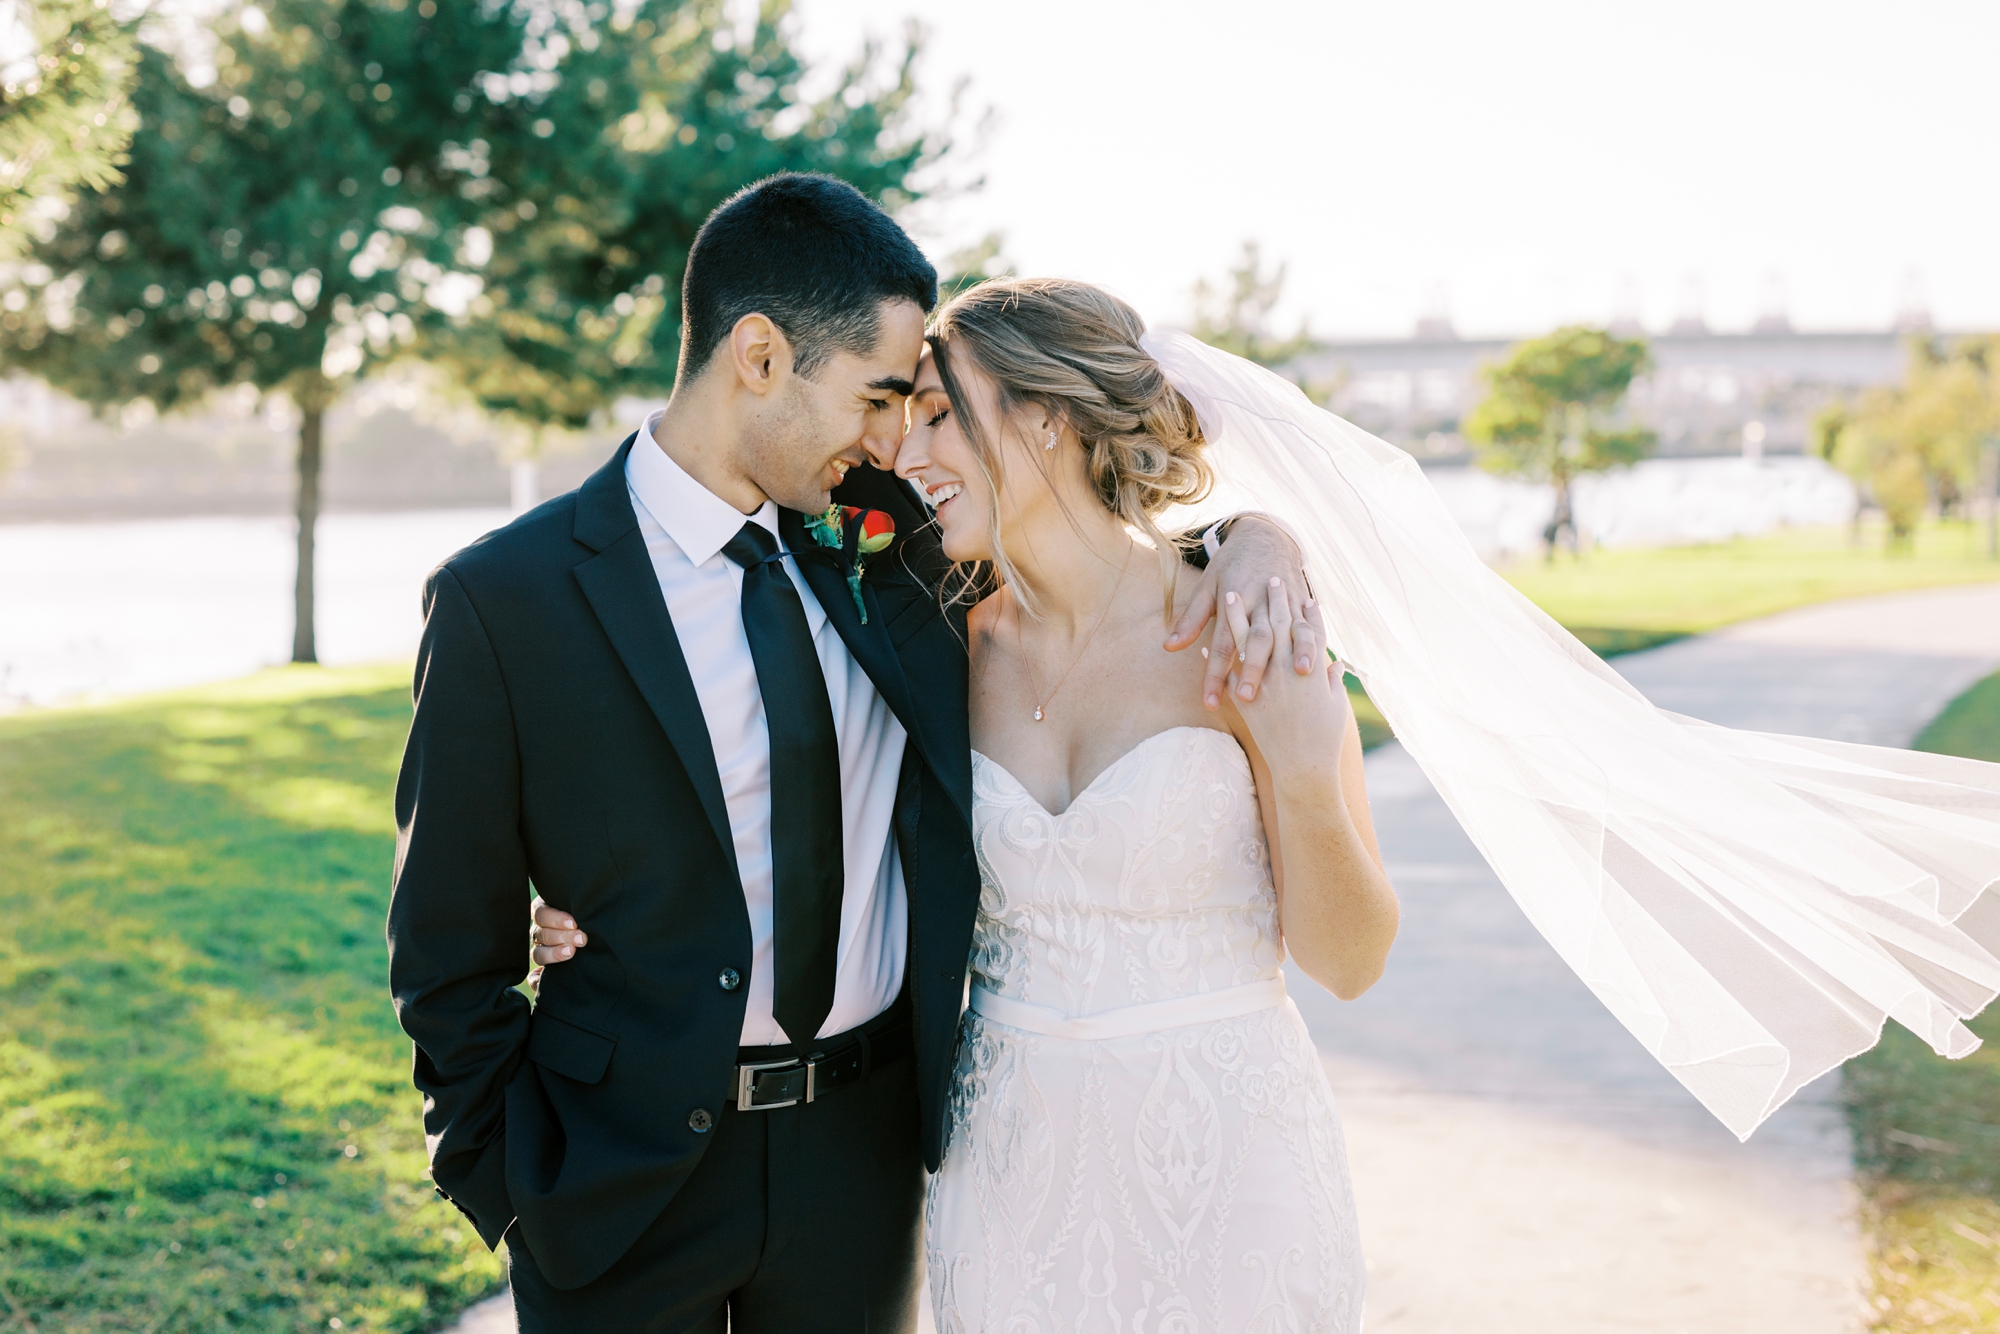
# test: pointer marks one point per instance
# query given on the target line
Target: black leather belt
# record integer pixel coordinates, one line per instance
(846, 1058)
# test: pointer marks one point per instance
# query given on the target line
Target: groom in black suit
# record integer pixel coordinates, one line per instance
(736, 748)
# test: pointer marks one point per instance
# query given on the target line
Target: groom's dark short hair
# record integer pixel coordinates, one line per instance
(813, 254)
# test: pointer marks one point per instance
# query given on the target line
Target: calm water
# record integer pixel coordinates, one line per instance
(113, 608)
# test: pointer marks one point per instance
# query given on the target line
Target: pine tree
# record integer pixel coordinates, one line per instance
(65, 114)
(591, 196)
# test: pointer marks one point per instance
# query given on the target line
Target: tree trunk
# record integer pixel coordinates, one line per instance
(312, 419)
(1560, 520)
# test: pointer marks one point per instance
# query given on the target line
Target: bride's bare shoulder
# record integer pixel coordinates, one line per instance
(984, 617)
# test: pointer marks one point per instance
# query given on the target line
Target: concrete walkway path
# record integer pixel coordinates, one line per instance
(1522, 1164)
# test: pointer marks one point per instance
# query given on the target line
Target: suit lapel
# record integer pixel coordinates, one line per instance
(825, 573)
(624, 591)
(936, 720)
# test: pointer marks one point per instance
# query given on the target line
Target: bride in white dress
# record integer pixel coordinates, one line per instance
(1143, 1138)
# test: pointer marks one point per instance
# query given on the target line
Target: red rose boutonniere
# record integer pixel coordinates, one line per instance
(860, 534)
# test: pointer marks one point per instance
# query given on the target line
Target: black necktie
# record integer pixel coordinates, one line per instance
(806, 866)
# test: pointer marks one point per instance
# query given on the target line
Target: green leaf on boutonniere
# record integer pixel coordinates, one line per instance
(871, 532)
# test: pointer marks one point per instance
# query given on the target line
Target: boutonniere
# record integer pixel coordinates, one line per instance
(858, 533)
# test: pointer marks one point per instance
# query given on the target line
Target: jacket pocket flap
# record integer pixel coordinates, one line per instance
(570, 1050)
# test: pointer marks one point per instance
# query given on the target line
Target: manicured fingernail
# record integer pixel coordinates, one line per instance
(1204, 653)
(1230, 598)
(569, 924)
(567, 951)
(1210, 701)
(1276, 582)
(582, 939)
(1246, 692)
(1308, 603)
(1305, 663)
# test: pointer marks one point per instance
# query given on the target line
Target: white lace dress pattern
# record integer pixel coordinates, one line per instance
(1182, 1180)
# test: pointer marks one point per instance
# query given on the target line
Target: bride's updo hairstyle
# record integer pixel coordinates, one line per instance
(1072, 350)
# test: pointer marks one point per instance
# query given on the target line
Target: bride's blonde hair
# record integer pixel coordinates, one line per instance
(1073, 351)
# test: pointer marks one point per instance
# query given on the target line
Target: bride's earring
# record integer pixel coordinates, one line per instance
(1051, 444)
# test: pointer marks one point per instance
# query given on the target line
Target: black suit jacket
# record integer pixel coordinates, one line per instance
(558, 740)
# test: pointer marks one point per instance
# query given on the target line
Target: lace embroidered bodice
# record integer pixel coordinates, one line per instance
(1153, 884)
(1190, 1178)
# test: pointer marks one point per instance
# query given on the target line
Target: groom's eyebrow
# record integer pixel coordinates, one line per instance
(895, 384)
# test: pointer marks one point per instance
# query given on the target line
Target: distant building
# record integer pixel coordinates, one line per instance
(1705, 388)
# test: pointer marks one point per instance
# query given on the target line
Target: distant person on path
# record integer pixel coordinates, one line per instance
(712, 704)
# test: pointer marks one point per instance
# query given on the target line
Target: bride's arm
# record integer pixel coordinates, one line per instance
(1336, 906)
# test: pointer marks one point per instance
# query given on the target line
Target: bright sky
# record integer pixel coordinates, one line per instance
(1524, 162)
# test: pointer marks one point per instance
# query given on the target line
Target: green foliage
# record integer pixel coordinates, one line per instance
(974, 264)
(1236, 316)
(1921, 438)
(209, 1122)
(277, 226)
(661, 114)
(1549, 414)
(64, 113)
(1368, 719)
(1926, 1133)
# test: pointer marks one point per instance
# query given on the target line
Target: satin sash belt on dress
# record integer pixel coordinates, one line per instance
(1130, 1020)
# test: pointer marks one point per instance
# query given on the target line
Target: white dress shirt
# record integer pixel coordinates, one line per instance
(686, 526)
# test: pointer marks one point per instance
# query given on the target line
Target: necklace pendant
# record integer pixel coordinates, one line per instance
(1038, 715)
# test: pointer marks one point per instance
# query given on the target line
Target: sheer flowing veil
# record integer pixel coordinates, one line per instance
(1750, 906)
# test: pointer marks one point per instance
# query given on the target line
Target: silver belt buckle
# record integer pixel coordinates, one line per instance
(746, 1082)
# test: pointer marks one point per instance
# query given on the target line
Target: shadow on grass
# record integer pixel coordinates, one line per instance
(208, 1120)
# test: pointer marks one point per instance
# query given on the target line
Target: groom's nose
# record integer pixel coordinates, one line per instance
(882, 444)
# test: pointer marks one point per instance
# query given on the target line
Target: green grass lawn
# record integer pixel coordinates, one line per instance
(1927, 1134)
(208, 1122)
(1620, 600)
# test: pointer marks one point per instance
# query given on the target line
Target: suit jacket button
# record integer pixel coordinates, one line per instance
(700, 1121)
(730, 979)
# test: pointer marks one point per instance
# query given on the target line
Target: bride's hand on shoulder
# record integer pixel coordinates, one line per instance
(1299, 722)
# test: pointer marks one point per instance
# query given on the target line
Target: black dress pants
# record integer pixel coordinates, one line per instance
(806, 1219)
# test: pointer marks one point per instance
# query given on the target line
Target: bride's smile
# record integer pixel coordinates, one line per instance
(940, 461)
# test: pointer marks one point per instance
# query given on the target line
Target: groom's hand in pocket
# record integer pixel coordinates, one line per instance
(1255, 552)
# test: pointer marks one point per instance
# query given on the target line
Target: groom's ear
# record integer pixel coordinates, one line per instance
(759, 353)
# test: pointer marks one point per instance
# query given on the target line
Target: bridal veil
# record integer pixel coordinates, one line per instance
(1751, 906)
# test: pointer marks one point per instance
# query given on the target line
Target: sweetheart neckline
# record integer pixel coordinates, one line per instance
(1105, 772)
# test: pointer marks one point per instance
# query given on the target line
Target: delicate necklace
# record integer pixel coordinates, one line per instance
(1045, 699)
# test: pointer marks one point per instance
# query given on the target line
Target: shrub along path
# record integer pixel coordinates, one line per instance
(1523, 1165)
